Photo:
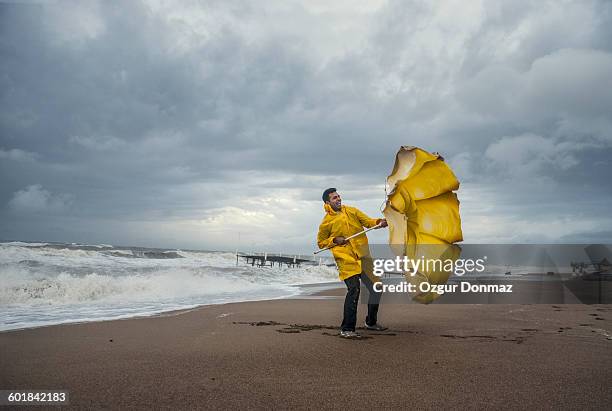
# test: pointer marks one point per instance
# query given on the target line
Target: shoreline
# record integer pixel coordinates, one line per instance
(524, 292)
(308, 291)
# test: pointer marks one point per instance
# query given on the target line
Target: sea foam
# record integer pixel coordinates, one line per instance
(51, 284)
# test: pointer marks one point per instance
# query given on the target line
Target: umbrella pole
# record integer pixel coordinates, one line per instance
(348, 238)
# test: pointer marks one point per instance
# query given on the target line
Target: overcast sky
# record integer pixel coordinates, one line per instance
(217, 124)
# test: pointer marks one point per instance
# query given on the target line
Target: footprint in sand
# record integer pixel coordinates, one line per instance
(298, 328)
(258, 323)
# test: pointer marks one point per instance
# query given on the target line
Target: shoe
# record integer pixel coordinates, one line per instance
(375, 327)
(349, 334)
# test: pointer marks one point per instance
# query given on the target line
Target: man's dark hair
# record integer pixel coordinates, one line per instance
(327, 192)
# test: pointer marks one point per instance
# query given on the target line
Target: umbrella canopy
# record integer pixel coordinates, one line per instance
(422, 211)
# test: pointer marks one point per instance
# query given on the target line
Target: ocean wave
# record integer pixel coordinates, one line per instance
(67, 288)
(68, 276)
(22, 244)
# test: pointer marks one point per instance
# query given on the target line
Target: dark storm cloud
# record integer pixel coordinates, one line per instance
(149, 114)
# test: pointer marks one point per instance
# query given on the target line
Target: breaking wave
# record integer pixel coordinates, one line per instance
(50, 283)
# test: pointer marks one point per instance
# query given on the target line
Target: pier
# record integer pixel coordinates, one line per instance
(270, 260)
(266, 260)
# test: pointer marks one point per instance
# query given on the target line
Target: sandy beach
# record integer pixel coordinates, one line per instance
(286, 354)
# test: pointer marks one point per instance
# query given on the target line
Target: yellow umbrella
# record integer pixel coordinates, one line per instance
(423, 216)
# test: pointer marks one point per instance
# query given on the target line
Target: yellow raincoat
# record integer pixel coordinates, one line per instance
(346, 222)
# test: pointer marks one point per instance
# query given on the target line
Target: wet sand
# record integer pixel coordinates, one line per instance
(286, 354)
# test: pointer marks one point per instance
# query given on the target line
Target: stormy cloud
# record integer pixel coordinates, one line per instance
(217, 125)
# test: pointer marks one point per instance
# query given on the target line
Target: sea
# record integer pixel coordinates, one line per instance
(53, 283)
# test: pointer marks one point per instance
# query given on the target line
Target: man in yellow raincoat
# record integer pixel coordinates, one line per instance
(342, 221)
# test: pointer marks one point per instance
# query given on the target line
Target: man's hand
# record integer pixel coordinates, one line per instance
(382, 222)
(340, 240)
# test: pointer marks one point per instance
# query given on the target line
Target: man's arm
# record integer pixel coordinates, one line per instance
(323, 238)
(368, 222)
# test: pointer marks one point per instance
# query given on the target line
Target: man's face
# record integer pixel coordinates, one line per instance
(335, 201)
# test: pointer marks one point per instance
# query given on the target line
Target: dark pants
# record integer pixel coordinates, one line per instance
(352, 298)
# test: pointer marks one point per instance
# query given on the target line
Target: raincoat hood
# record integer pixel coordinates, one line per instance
(329, 210)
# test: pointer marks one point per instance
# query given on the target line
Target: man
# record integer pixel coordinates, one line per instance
(340, 222)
